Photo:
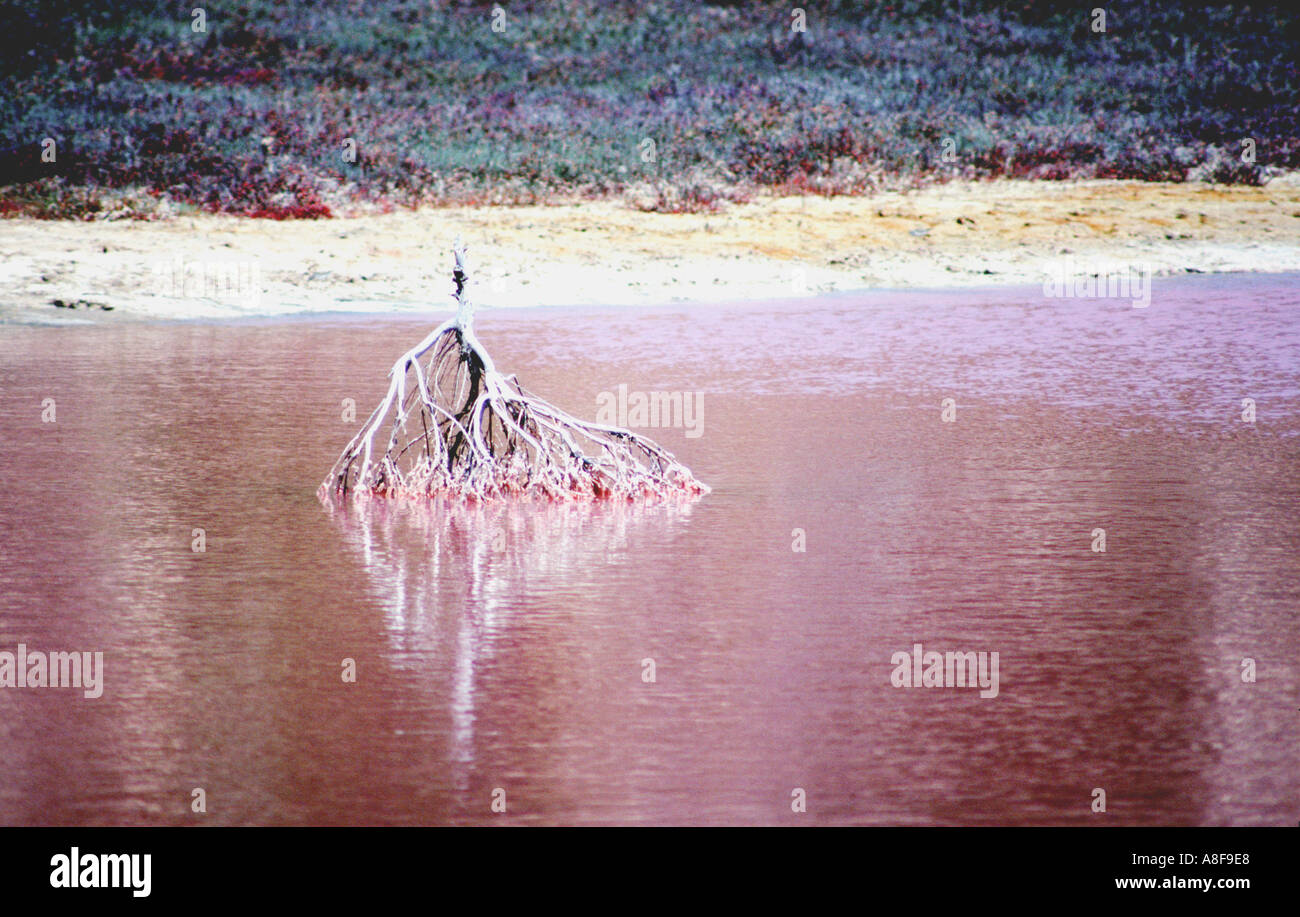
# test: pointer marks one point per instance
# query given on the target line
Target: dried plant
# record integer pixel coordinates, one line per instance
(456, 426)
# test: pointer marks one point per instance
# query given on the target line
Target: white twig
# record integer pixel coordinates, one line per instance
(484, 436)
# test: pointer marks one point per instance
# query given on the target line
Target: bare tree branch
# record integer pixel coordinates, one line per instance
(462, 428)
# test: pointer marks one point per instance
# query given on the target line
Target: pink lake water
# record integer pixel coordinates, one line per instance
(501, 651)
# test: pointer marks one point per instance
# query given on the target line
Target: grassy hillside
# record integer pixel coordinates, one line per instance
(259, 114)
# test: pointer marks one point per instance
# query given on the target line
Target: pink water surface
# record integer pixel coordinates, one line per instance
(504, 647)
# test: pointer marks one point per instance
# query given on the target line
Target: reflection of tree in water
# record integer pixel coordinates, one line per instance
(449, 576)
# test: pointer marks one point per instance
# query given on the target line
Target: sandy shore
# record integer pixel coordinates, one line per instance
(608, 253)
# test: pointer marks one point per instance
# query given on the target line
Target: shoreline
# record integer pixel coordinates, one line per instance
(960, 235)
(422, 313)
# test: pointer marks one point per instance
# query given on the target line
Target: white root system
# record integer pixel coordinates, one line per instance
(456, 426)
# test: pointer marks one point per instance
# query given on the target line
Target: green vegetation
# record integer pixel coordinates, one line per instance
(254, 115)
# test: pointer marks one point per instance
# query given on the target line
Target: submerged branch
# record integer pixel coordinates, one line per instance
(479, 434)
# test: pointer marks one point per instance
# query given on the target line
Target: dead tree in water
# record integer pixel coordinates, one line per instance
(457, 426)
